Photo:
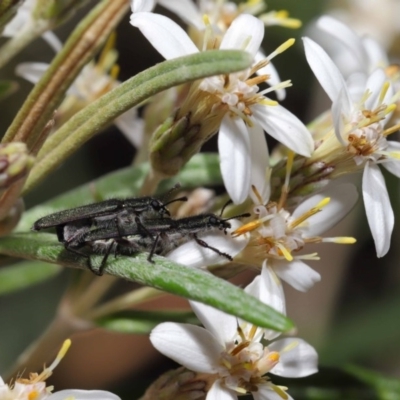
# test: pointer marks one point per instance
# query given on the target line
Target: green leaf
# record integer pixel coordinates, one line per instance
(7, 88)
(163, 274)
(24, 274)
(142, 322)
(202, 169)
(87, 122)
(386, 388)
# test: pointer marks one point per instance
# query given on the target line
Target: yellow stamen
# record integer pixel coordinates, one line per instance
(394, 154)
(274, 356)
(33, 395)
(268, 102)
(311, 212)
(251, 226)
(252, 332)
(285, 252)
(391, 130)
(114, 71)
(285, 186)
(257, 194)
(109, 45)
(384, 90)
(283, 47)
(280, 391)
(341, 240)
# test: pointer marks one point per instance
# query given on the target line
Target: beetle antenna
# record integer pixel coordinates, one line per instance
(244, 215)
(225, 205)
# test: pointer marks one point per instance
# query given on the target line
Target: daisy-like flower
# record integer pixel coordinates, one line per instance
(280, 237)
(35, 387)
(231, 355)
(194, 255)
(23, 22)
(359, 126)
(230, 103)
(95, 79)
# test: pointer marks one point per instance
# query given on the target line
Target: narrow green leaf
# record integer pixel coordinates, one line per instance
(202, 169)
(163, 274)
(87, 122)
(24, 274)
(386, 388)
(7, 88)
(142, 322)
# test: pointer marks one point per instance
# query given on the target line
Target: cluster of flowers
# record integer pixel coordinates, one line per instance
(294, 193)
(295, 198)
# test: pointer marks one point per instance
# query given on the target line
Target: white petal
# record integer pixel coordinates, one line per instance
(186, 10)
(378, 208)
(346, 36)
(83, 395)
(194, 255)
(31, 71)
(270, 70)
(260, 160)
(271, 290)
(235, 158)
(343, 198)
(374, 85)
(339, 116)
(296, 273)
(297, 358)
(393, 164)
(265, 392)
(189, 345)
(223, 326)
(284, 127)
(245, 33)
(218, 392)
(376, 53)
(52, 40)
(271, 293)
(167, 37)
(326, 71)
(131, 126)
(142, 5)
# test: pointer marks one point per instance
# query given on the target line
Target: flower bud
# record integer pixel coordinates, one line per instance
(15, 163)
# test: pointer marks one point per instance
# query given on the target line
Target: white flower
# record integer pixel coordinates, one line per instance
(232, 350)
(247, 112)
(279, 237)
(359, 127)
(23, 22)
(35, 387)
(194, 255)
(93, 81)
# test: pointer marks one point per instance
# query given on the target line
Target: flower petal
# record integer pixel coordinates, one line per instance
(259, 160)
(393, 164)
(235, 157)
(167, 37)
(265, 392)
(31, 71)
(189, 345)
(378, 208)
(245, 33)
(223, 326)
(131, 126)
(83, 395)
(326, 72)
(343, 197)
(194, 255)
(374, 84)
(297, 358)
(186, 10)
(284, 127)
(219, 392)
(142, 5)
(346, 36)
(296, 273)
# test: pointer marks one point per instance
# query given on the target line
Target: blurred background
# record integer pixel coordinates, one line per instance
(351, 316)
